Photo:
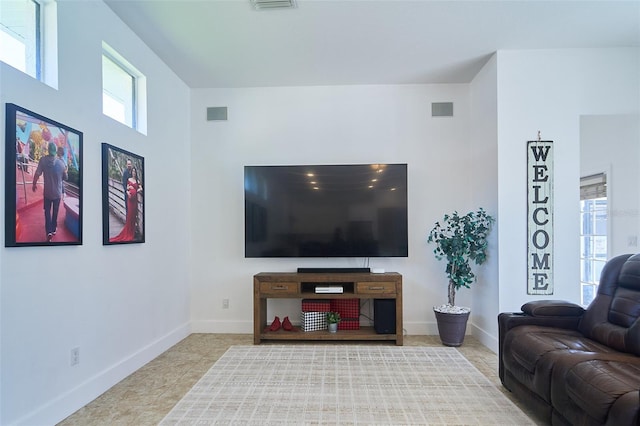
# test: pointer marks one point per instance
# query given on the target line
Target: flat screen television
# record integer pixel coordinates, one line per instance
(357, 210)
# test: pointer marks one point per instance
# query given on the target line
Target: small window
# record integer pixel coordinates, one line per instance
(20, 36)
(118, 92)
(593, 234)
(123, 90)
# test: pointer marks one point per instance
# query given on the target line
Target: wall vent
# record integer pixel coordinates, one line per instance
(442, 109)
(216, 113)
(273, 4)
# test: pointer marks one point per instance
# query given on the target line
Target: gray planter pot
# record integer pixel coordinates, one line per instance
(333, 327)
(452, 327)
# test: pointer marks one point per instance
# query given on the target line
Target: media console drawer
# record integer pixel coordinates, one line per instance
(278, 288)
(376, 288)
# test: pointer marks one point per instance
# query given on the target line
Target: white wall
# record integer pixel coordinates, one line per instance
(483, 180)
(611, 144)
(549, 91)
(121, 305)
(311, 125)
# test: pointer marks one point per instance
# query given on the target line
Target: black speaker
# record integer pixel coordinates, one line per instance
(384, 316)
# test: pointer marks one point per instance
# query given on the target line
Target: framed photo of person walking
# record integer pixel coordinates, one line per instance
(43, 176)
(122, 196)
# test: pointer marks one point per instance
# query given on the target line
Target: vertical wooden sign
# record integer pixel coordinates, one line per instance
(540, 217)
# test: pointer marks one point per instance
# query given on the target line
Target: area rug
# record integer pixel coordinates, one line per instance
(344, 384)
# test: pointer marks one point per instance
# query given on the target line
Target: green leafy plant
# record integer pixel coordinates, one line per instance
(460, 240)
(73, 175)
(333, 317)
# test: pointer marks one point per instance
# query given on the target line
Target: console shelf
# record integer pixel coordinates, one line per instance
(280, 285)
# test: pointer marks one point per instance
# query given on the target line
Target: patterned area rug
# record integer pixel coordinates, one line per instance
(344, 384)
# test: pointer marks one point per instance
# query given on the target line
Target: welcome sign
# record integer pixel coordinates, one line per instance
(540, 217)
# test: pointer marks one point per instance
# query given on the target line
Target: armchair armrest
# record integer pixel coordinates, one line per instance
(552, 308)
(546, 313)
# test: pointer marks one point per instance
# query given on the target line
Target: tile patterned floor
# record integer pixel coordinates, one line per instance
(147, 395)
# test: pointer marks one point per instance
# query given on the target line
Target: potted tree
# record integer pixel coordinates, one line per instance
(460, 240)
(333, 318)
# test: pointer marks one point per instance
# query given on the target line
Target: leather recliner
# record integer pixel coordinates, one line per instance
(573, 366)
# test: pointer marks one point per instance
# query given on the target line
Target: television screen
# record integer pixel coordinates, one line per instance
(326, 211)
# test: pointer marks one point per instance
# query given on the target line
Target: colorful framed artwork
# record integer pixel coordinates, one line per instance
(43, 175)
(122, 196)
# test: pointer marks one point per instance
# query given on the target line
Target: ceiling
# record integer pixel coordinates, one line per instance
(215, 43)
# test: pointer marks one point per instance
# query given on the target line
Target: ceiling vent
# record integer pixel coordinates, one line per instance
(273, 4)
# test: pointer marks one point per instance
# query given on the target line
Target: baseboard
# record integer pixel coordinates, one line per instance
(412, 328)
(69, 402)
(423, 328)
(420, 328)
(491, 342)
(222, 327)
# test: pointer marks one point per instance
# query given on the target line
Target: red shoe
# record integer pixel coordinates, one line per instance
(287, 326)
(275, 325)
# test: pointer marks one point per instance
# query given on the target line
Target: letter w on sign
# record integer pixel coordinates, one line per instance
(540, 217)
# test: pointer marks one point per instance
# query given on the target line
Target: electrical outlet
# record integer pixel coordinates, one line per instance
(74, 357)
(225, 303)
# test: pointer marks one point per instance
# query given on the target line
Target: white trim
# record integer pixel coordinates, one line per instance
(222, 327)
(61, 407)
(489, 341)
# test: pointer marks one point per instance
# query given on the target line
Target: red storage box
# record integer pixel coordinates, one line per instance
(347, 308)
(316, 305)
(349, 324)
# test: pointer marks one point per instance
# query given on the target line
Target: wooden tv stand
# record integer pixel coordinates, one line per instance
(282, 285)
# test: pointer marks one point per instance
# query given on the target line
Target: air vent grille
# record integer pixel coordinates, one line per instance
(442, 109)
(216, 113)
(273, 4)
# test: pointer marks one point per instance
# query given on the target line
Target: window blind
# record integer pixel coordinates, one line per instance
(593, 186)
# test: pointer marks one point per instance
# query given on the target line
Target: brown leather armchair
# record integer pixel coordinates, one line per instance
(574, 366)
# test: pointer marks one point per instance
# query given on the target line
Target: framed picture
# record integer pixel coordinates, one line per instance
(122, 196)
(43, 175)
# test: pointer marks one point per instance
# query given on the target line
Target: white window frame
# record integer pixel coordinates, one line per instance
(33, 54)
(592, 188)
(135, 112)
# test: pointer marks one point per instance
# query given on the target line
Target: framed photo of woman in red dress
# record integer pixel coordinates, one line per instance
(122, 196)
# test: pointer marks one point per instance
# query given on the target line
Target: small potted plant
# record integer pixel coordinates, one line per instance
(459, 239)
(333, 318)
